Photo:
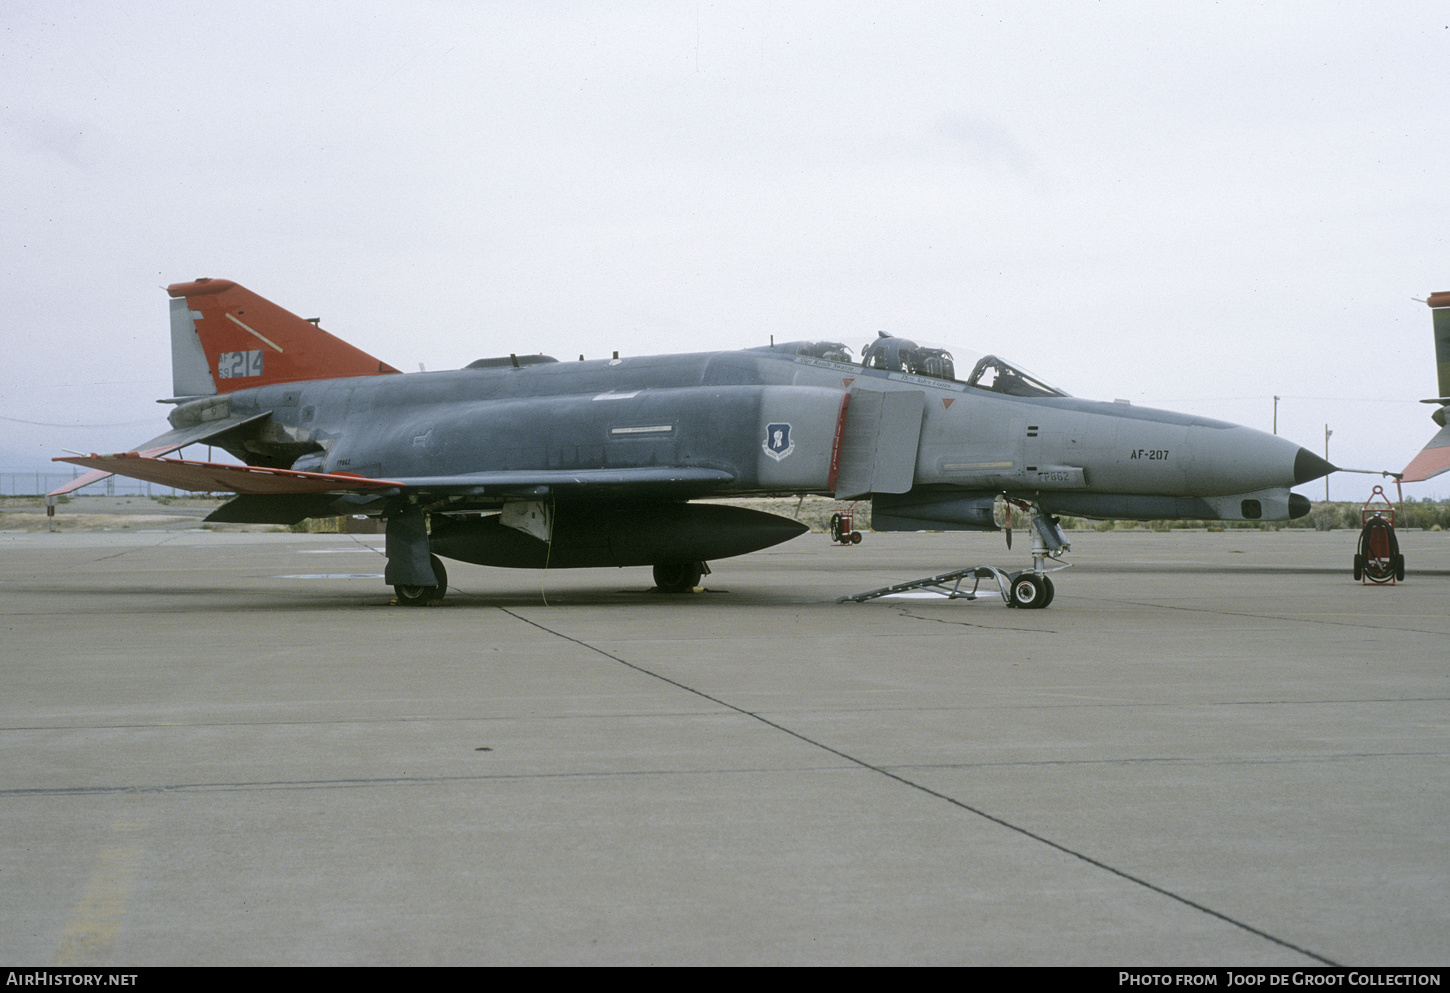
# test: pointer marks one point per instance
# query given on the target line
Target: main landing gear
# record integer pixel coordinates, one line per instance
(421, 596)
(679, 577)
(416, 575)
(1030, 589)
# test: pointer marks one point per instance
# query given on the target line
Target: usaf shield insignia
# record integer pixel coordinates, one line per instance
(777, 441)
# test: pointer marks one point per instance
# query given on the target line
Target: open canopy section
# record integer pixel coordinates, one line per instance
(905, 355)
(999, 376)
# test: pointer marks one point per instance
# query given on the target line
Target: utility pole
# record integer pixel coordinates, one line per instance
(1327, 433)
(1276, 415)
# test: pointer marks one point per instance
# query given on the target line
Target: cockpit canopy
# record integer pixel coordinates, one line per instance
(831, 351)
(904, 355)
(991, 373)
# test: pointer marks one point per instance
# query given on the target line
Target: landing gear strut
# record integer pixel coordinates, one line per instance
(1032, 588)
(416, 575)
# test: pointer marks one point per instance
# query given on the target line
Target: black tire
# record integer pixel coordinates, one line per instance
(1358, 567)
(1399, 568)
(420, 596)
(1048, 592)
(678, 577)
(855, 537)
(1028, 592)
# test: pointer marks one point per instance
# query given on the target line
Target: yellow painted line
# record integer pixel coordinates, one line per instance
(256, 333)
(95, 923)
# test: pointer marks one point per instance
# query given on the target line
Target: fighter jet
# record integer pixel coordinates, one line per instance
(527, 461)
(1435, 457)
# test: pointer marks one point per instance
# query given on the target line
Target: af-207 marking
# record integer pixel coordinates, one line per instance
(1150, 454)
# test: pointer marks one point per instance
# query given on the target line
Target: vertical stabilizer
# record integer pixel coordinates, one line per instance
(1440, 311)
(1435, 457)
(224, 337)
(190, 372)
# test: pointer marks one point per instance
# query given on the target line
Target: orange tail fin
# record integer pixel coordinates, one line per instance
(224, 337)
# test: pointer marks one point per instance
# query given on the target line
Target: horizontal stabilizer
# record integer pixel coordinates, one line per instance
(220, 477)
(162, 444)
(1433, 459)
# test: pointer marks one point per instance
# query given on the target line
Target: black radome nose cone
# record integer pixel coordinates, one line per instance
(1308, 466)
(1298, 506)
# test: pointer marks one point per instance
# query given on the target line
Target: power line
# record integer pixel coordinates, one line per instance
(48, 424)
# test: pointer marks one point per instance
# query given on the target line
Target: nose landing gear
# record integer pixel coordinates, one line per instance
(1030, 589)
(1033, 588)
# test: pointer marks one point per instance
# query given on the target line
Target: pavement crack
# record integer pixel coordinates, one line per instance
(1276, 617)
(947, 798)
(138, 548)
(905, 611)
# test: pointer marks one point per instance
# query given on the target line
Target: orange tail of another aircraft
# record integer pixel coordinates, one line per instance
(1435, 458)
(224, 337)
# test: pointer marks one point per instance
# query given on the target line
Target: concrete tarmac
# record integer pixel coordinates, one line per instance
(1213, 749)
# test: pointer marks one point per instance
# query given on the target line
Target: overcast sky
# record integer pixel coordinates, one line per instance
(1189, 205)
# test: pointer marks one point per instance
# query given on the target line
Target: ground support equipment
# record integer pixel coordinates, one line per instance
(842, 530)
(1378, 560)
(948, 584)
(1029, 589)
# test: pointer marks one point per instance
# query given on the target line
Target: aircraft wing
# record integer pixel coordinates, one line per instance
(251, 480)
(162, 444)
(1433, 459)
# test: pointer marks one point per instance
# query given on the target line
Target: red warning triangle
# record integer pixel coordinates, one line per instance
(947, 402)
(846, 381)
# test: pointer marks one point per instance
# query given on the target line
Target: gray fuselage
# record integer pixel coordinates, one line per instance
(934, 439)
